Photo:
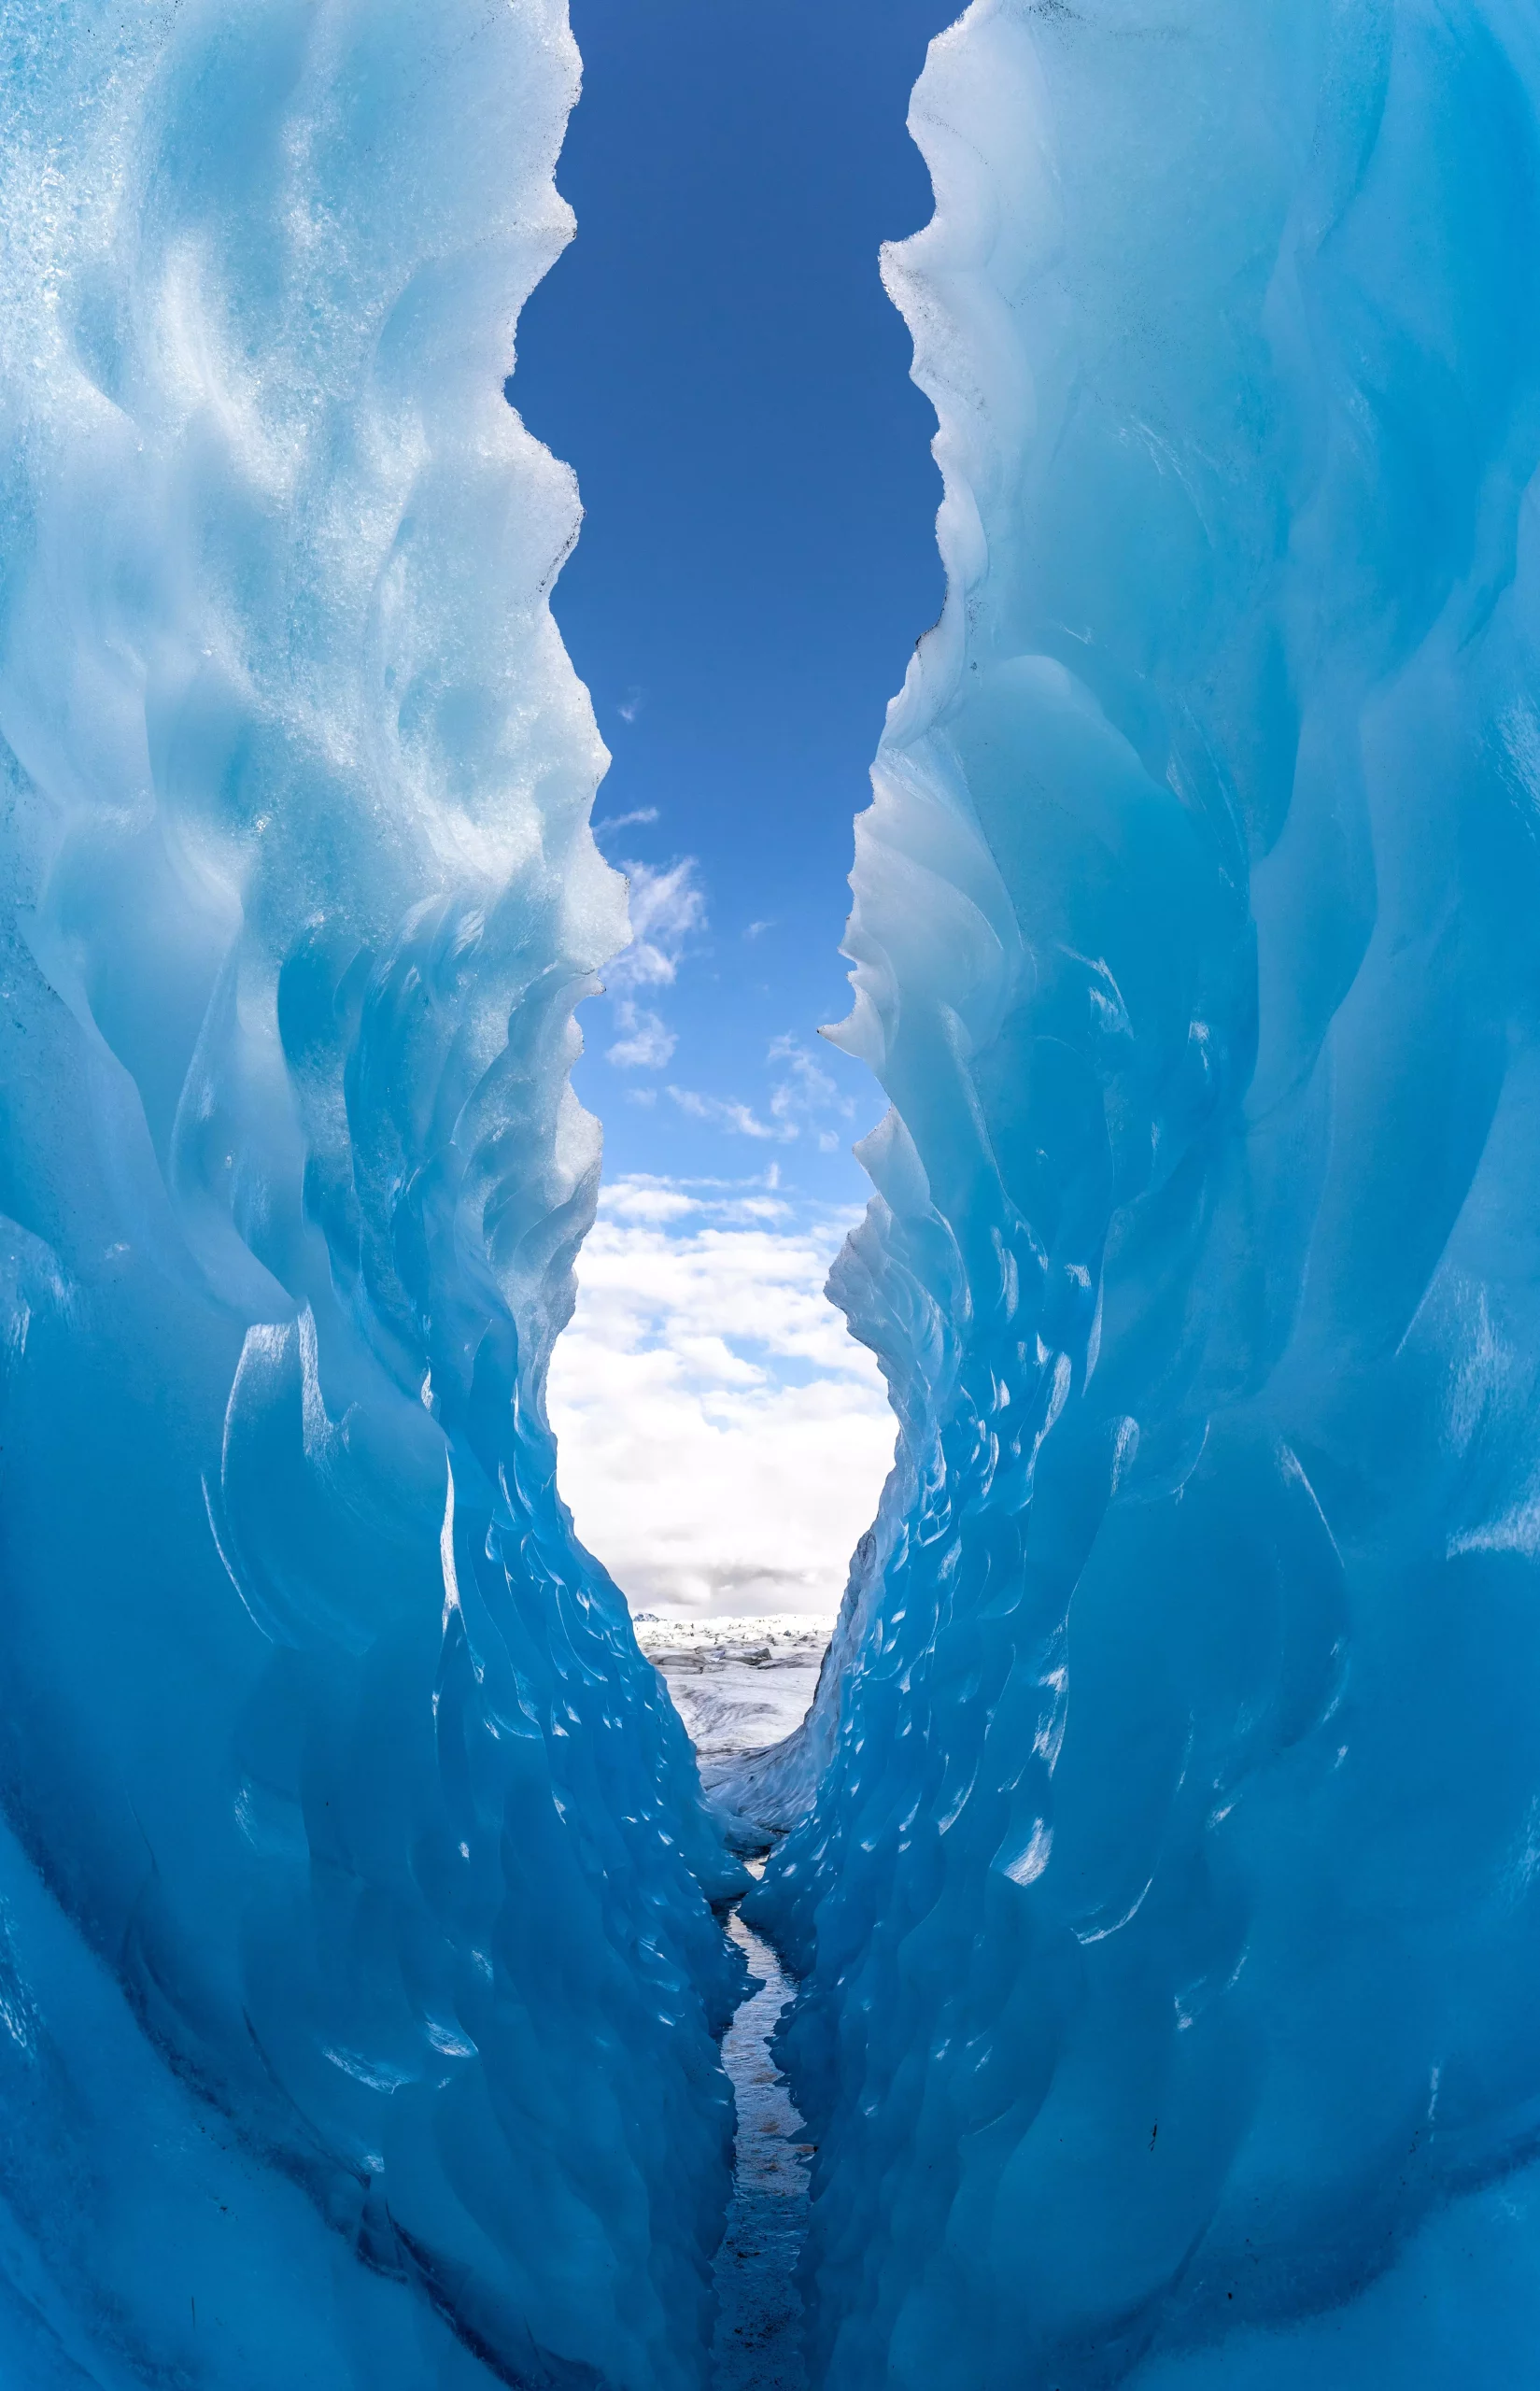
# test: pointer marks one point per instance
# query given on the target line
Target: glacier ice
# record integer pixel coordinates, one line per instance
(358, 1981)
(1169, 1910)
(1164, 1850)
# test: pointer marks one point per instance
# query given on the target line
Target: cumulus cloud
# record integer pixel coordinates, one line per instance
(723, 1438)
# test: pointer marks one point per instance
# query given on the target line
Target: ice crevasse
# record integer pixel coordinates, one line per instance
(358, 1981)
(1166, 1909)
(1169, 1910)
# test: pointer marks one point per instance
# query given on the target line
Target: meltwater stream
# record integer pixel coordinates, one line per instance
(758, 2343)
(740, 1684)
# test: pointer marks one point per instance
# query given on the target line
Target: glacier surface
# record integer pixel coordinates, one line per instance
(1169, 1910)
(358, 1981)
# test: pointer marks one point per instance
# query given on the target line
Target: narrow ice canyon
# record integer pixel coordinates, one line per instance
(1156, 1874)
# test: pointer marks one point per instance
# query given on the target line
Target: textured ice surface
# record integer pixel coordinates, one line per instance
(355, 1993)
(1172, 1900)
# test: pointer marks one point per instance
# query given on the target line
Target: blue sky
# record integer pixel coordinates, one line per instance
(716, 356)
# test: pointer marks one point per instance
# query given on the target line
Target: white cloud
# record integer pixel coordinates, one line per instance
(805, 1089)
(646, 1042)
(805, 1099)
(723, 1438)
(624, 821)
(725, 1203)
(666, 908)
(650, 1200)
(738, 1120)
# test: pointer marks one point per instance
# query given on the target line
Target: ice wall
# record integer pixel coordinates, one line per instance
(1172, 1901)
(354, 1988)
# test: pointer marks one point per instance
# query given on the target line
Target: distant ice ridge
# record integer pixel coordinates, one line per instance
(356, 1992)
(1172, 1900)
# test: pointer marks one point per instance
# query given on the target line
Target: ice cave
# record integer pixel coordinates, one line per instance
(1156, 1875)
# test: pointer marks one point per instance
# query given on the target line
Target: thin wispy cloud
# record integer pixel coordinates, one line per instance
(646, 1042)
(727, 1113)
(804, 1101)
(806, 1097)
(640, 813)
(668, 907)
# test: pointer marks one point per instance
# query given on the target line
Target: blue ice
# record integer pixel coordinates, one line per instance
(1160, 1863)
(1170, 1906)
(358, 1981)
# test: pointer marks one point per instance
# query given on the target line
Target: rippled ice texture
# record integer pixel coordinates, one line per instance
(1172, 1901)
(355, 1992)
